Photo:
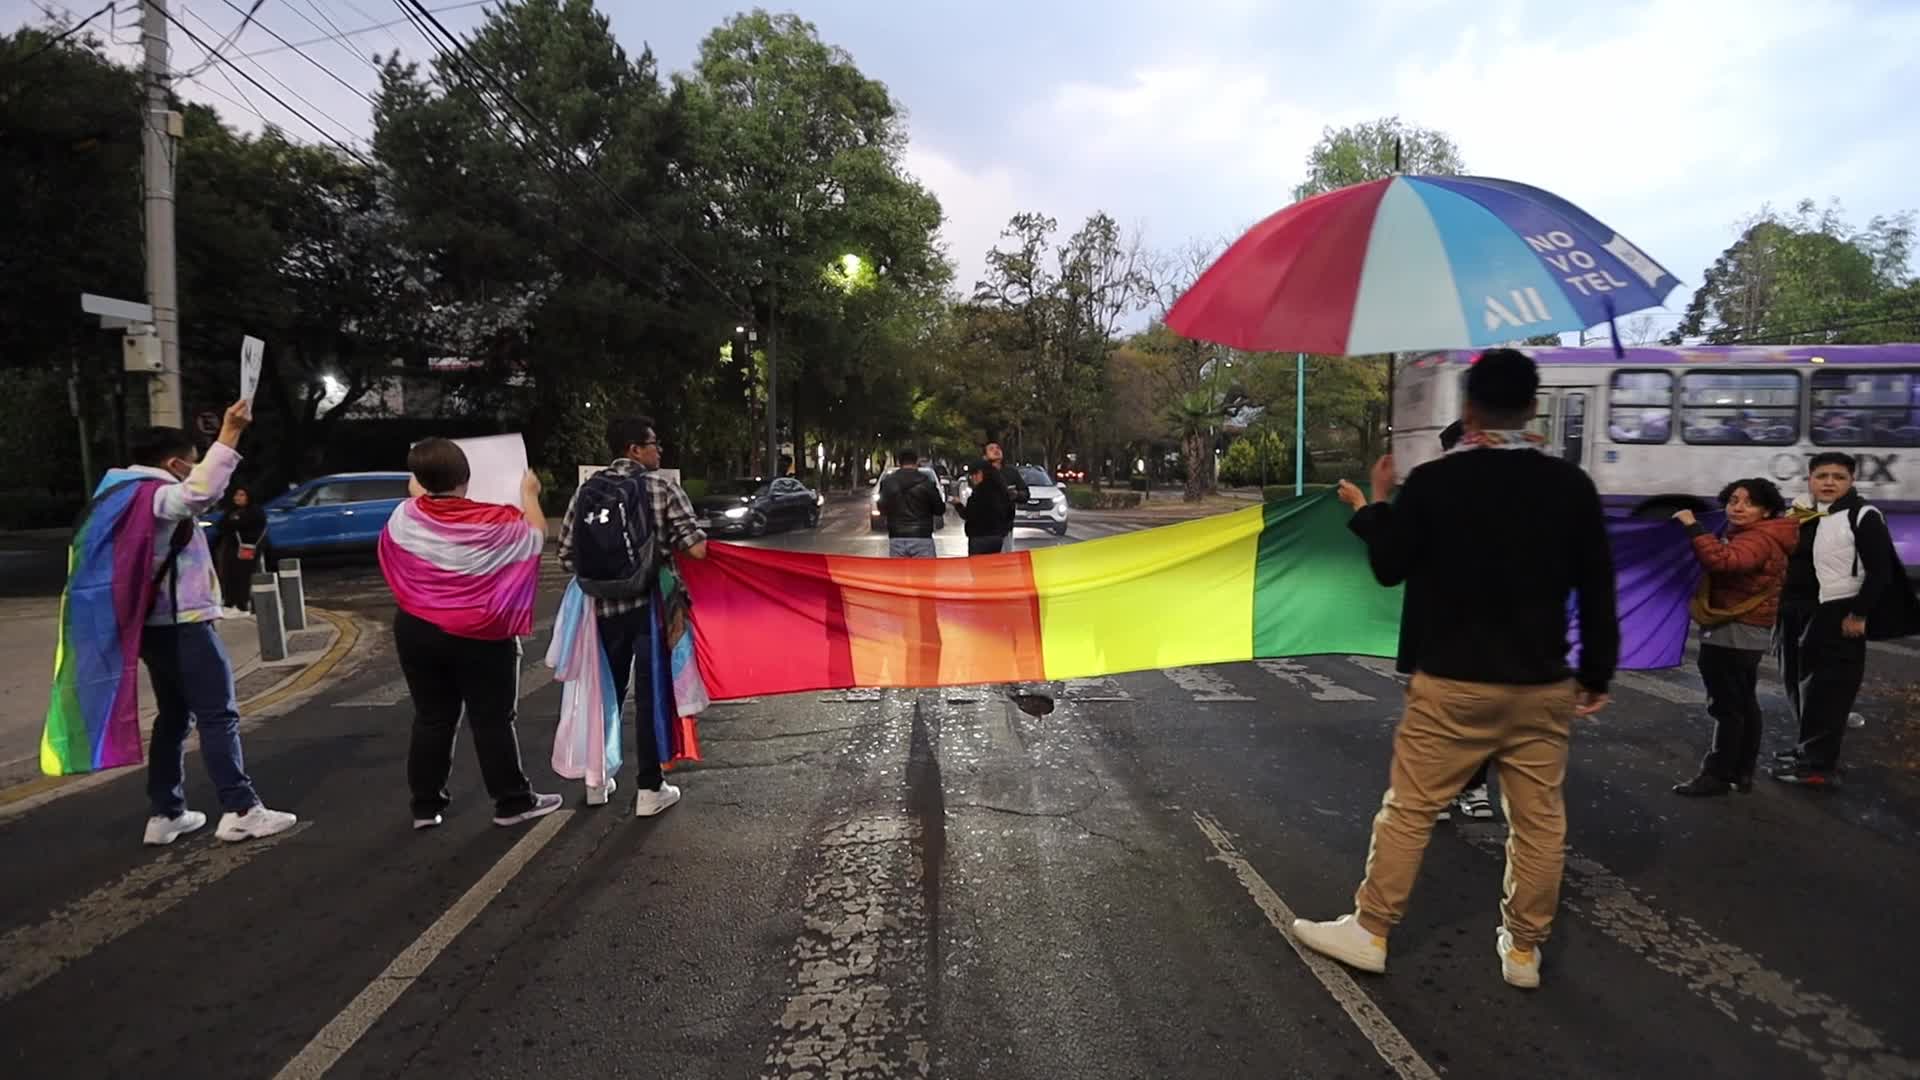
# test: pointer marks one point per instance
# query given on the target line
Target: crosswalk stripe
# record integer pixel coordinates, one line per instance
(1105, 689)
(39, 952)
(1203, 684)
(1296, 675)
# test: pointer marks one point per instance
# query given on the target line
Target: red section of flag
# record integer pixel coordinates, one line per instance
(766, 622)
(941, 622)
(1291, 281)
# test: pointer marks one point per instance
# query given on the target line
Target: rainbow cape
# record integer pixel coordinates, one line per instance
(1286, 579)
(93, 716)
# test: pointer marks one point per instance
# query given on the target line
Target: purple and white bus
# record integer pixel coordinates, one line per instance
(1665, 428)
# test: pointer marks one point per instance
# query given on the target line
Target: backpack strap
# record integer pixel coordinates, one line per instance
(170, 566)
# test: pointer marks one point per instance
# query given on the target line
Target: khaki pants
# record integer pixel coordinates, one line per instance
(1449, 728)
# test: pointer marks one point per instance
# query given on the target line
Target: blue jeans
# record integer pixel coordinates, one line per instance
(193, 680)
(911, 547)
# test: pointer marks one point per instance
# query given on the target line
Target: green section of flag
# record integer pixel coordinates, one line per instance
(1313, 592)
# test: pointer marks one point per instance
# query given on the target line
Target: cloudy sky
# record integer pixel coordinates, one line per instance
(1667, 119)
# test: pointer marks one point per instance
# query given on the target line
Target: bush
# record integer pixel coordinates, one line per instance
(38, 510)
(1082, 497)
(1260, 457)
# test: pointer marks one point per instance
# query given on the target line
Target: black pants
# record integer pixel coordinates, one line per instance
(1823, 669)
(446, 674)
(628, 642)
(985, 545)
(1732, 679)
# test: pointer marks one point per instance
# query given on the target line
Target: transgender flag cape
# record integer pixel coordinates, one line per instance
(468, 568)
(93, 717)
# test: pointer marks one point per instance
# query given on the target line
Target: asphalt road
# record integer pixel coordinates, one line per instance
(939, 884)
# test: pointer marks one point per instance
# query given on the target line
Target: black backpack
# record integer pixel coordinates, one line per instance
(1896, 611)
(614, 555)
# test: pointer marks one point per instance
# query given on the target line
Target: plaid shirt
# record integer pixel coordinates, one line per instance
(675, 526)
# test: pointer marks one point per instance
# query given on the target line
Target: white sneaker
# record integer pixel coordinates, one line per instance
(1345, 940)
(542, 806)
(162, 831)
(1474, 803)
(428, 822)
(598, 796)
(255, 824)
(648, 803)
(1521, 969)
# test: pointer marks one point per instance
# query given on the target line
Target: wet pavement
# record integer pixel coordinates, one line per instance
(1076, 879)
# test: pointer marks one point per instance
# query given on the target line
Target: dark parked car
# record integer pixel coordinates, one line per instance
(333, 514)
(753, 507)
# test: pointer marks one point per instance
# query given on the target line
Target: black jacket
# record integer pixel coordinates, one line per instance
(989, 509)
(1877, 562)
(911, 503)
(1490, 543)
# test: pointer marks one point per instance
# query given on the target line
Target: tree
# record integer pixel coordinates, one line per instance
(1807, 277)
(1375, 150)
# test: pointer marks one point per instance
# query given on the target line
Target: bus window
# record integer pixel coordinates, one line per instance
(1640, 407)
(1573, 427)
(1740, 408)
(1866, 408)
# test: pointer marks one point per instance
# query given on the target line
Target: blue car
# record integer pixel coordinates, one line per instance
(337, 514)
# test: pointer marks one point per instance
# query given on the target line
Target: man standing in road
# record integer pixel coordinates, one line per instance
(988, 511)
(1489, 539)
(186, 662)
(619, 523)
(910, 501)
(1017, 491)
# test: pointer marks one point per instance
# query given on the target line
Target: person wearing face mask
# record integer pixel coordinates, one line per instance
(1738, 601)
(1844, 563)
(186, 662)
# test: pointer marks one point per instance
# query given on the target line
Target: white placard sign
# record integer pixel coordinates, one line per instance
(496, 465)
(252, 349)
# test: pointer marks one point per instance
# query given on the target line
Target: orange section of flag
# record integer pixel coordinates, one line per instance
(940, 622)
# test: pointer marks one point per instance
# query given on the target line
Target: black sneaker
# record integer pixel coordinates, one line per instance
(1702, 786)
(1807, 776)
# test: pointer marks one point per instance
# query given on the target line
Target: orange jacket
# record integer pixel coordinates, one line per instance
(1748, 563)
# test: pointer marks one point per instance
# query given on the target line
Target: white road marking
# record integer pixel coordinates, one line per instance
(1891, 649)
(386, 694)
(36, 953)
(1379, 666)
(1654, 686)
(1386, 1038)
(1296, 674)
(1105, 689)
(354, 1021)
(851, 696)
(857, 1006)
(1204, 685)
(1735, 982)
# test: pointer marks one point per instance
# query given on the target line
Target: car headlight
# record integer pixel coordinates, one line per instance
(737, 513)
(1059, 499)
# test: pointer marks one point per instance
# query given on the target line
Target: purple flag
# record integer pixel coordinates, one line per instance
(1655, 574)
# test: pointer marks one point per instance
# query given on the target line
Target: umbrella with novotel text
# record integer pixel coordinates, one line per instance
(1418, 262)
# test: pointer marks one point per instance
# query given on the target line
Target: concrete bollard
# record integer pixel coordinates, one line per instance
(266, 612)
(293, 595)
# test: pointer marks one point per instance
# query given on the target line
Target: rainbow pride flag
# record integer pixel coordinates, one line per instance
(93, 716)
(1282, 580)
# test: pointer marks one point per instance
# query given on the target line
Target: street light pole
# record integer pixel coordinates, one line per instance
(773, 381)
(163, 392)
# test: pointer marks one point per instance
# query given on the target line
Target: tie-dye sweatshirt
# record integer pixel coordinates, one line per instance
(198, 587)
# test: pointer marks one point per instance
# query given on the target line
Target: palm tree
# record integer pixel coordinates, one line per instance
(1194, 416)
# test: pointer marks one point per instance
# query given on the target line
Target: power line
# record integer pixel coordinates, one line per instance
(337, 37)
(277, 99)
(246, 20)
(357, 32)
(64, 34)
(282, 83)
(304, 56)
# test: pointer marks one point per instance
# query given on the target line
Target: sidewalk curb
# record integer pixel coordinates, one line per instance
(31, 794)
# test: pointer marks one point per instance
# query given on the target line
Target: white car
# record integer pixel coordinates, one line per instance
(1045, 506)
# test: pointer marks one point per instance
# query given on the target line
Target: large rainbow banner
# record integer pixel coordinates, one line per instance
(1285, 579)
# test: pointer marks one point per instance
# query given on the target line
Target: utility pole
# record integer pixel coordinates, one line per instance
(157, 137)
(773, 381)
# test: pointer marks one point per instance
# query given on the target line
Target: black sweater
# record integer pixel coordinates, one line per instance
(1490, 543)
(989, 509)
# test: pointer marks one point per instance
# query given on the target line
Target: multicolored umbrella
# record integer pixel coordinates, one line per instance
(1418, 262)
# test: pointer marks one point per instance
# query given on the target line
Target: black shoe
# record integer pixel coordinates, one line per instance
(1743, 784)
(1703, 785)
(1806, 775)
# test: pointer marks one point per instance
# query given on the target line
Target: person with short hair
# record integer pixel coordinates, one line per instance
(1017, 491)
(1483, 633)
(1843, 563)
(662, 520)
(911, 504)
(186, 660)
(463, 576)
(987, 511)
(1738, 602)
